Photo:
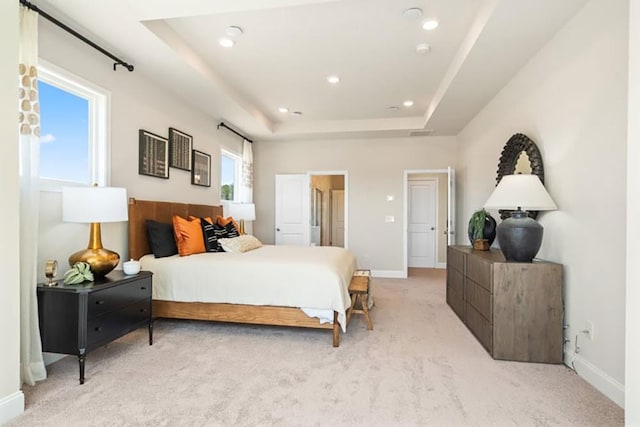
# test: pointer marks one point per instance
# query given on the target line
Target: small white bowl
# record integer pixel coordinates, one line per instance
(131, 267)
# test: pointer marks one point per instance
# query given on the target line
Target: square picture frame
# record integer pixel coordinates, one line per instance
(180, 145)
(200, 168)
(153, 155)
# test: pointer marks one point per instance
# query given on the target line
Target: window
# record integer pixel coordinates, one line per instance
(229, 175)
(73, 130)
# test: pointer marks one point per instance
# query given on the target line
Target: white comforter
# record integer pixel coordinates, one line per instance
(315, 278)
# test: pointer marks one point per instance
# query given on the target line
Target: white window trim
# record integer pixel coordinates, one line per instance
(238, 171)
(99, 154)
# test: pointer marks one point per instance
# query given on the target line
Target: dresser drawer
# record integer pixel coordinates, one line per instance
(110, 299)
(110, 326)
(480, 299)
(480, 327)
(455, 259)
(479, 270)
(456, 303)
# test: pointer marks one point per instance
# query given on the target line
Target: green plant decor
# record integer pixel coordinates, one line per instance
(80, 272)
(476, 224)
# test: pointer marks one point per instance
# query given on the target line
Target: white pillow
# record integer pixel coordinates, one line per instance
(241, 244)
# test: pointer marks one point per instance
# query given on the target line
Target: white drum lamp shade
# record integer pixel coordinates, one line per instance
(242, 212)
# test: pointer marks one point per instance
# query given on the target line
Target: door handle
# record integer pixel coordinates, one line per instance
(277, 229)
(433, 228)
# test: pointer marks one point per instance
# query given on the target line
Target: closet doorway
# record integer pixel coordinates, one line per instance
(328, 208)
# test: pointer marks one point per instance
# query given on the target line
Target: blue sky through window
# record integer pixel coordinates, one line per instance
(64, 130)
(228, 170)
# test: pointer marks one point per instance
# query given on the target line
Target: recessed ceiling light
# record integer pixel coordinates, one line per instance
(423, 48)
(225, 42)
(430, 24)
(412, 13)
(393, 109)
(233, 31)
(333, 79)
(408, 103)
(283, 109)
(297, 113)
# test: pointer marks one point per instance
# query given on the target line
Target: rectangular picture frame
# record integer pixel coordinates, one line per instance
(180, 145)
(153, 155)
(200, 168)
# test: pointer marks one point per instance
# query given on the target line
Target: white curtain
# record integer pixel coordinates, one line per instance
(31, 362)
(246, 181)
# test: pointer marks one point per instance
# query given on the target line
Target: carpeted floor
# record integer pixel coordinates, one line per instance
(419, 366)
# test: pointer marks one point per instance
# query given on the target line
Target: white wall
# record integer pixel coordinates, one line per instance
(11, 398)
(136, 103)
(376, 169)
(571, 100)
(632, 378)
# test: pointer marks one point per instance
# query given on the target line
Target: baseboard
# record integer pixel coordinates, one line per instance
(11, 406)
(595, 376)
(441, 265)
(389, 274)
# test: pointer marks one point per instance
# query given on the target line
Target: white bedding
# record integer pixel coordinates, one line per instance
(314, 277)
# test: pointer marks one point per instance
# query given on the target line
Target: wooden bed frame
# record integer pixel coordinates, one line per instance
(141, 210)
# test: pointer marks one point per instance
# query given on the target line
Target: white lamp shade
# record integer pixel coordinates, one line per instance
(245, 211)
(520, 191)
(94, 204)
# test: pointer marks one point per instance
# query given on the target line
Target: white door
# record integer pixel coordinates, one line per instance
(422, 223)
(337, 218)
(292, 210)
(451, 207)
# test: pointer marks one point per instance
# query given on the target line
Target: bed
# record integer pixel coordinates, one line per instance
(265, 286)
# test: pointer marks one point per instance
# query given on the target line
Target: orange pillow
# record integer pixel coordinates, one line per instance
(224, 221)
(188, 235)
(206, 218)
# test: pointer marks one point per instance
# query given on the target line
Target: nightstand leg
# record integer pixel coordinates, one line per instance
(81, 366)
(151, 332)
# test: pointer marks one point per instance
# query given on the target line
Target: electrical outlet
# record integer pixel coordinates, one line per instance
(588, 329)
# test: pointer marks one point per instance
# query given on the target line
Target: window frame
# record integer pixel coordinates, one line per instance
(99, 105)
(237, 174)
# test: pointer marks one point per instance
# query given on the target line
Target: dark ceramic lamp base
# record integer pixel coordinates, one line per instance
(520, 237)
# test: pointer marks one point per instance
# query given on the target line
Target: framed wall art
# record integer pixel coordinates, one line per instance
(201, 168)
(153, 154)
(180, 145)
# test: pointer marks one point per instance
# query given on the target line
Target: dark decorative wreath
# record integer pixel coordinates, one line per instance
(509, 157)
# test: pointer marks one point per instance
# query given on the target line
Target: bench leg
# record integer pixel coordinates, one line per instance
(365, 309)
(354, 297)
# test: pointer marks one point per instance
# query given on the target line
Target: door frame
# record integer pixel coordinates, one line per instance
(436, 182)
(405, 215)
(346, 198)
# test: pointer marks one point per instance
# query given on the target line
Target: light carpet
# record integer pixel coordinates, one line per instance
(419, 366)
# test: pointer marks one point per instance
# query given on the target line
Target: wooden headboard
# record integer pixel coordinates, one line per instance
(142, 210)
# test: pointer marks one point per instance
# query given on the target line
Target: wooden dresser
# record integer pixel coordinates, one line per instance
(514, 309)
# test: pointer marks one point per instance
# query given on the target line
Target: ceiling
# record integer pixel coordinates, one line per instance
(288, 48)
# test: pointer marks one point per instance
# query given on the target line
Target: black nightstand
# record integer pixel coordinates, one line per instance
(76, 319)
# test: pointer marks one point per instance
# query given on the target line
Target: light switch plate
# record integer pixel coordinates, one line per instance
(389, 218)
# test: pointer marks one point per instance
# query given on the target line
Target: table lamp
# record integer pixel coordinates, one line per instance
(242, 212)
(95, 205)
(520, 236)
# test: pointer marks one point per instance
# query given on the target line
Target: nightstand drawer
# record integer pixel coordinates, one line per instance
(113, 298)
(112, 325)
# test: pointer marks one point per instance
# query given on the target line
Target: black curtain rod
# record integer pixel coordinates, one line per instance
(73, 32)
(222, 124)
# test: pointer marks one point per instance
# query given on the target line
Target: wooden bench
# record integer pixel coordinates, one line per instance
(359, 291)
